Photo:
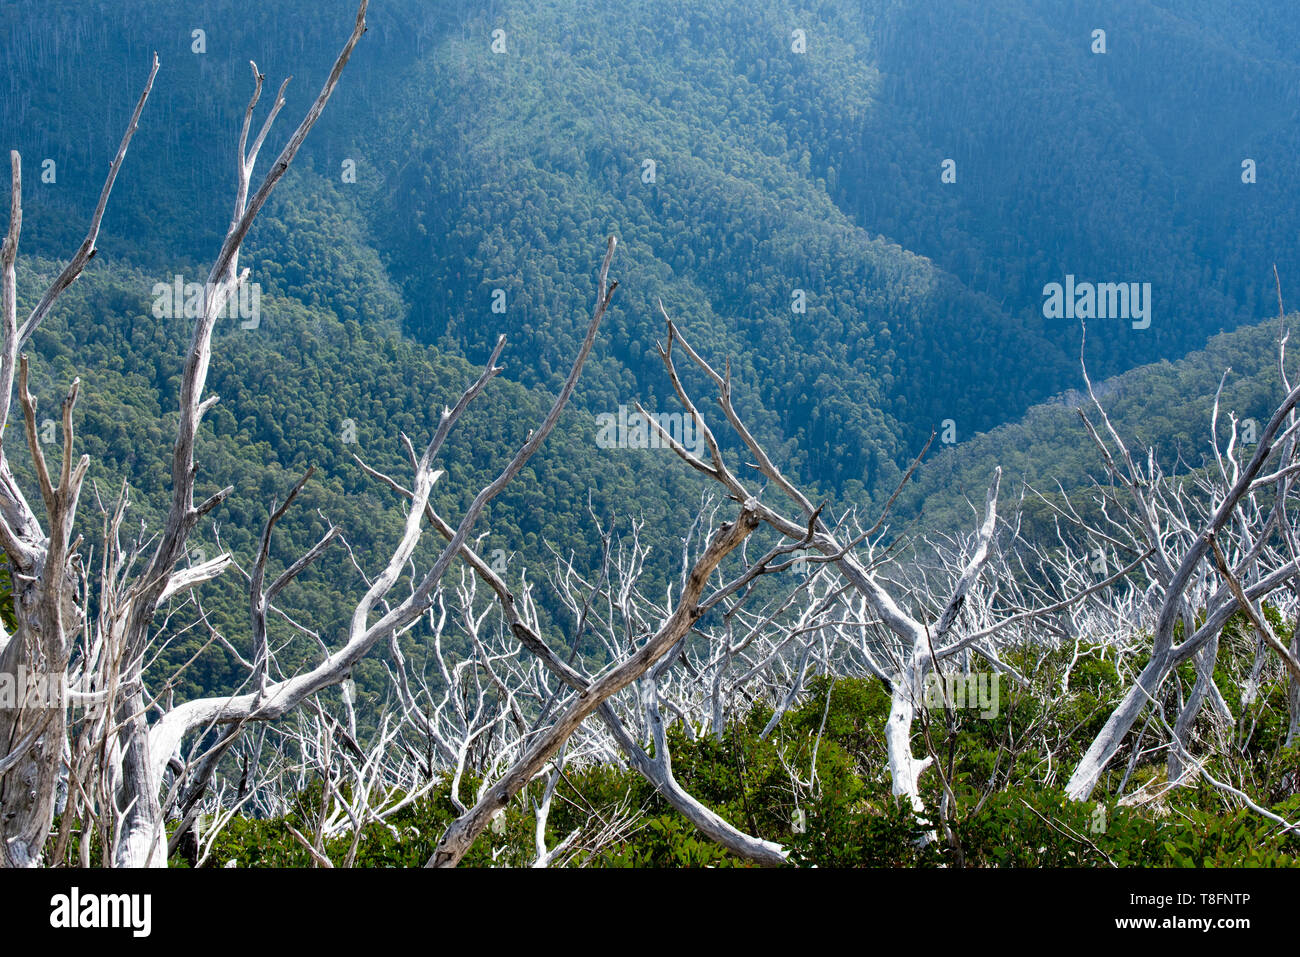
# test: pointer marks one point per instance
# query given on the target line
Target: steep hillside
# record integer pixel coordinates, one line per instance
(1165, 407)
(796, 156)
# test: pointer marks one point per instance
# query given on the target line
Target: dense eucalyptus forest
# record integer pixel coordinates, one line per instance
(613, 435)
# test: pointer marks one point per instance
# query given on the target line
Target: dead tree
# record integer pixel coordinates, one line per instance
(44, 564)
(1209, 552)
(912, 634)
(686, 611)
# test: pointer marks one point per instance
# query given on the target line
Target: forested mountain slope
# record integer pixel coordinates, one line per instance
(1165, 408)
(752, 158)
(773, 171)
(306, 388)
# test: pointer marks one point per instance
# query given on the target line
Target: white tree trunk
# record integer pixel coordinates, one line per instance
(904, 767)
